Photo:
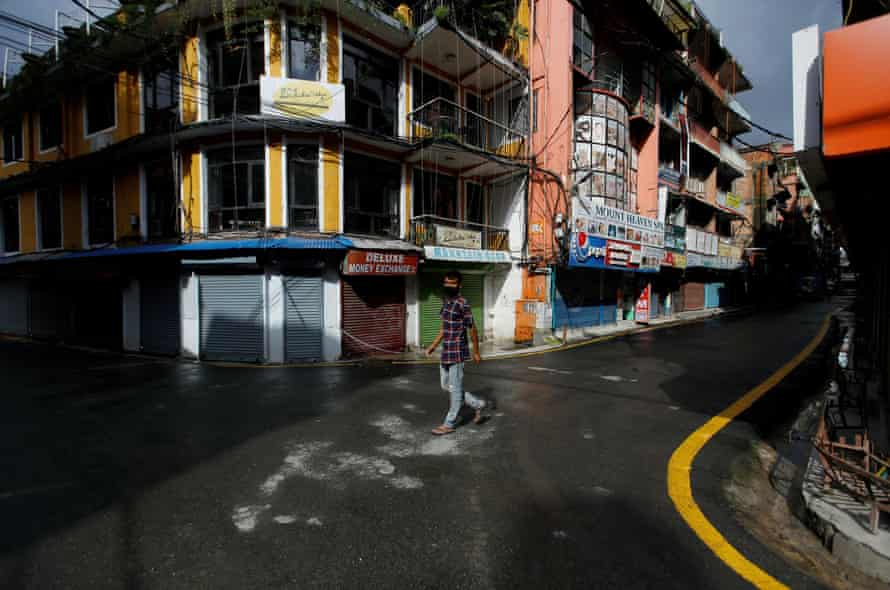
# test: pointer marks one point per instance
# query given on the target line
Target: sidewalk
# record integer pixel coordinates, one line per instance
(491, 350)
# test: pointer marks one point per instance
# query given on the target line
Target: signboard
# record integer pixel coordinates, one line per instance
(694, 260)
(590, 251)
(724, 250)
(455, 237)
(642, 308)
(304, 99)
(610, 223)
(730, 201)
(701, 241)
(379, 264)
(680, 260)
(673, 259)
(465, 255)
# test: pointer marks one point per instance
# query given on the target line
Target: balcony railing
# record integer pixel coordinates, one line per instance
(441, 118)
(674, 14)
(431, 230)
(695, 186)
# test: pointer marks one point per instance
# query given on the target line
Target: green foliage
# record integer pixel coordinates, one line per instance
(442, 12)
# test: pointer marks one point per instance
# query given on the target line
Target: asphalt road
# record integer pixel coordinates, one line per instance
(123, 472)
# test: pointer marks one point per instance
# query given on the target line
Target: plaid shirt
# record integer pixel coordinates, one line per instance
(457, 319)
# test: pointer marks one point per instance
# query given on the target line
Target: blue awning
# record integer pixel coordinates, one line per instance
(290, 243)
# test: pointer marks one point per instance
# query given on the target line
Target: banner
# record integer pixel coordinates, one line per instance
(610, 223)
(588, 251)
(367, 263)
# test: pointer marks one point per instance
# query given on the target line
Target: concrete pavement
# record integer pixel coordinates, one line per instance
(136, 473)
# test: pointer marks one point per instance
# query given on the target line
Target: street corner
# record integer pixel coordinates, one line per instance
(393, 450)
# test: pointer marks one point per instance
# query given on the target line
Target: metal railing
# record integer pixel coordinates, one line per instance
(441, 118)
(432, 230)
(695, 186)
(674, 14)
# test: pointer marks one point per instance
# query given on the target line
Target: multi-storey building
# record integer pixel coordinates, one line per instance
(275, 183)
(632, 207)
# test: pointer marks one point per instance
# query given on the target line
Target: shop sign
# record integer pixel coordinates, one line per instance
(668, 258)
(680, 260)
(724, 250)
(642, 307)
(380, 264)
(694, 260)
(730, 201)
(456, 237)
(304, 99)
(615, 224)
(465, 255)
(651, 259)
(701, 242)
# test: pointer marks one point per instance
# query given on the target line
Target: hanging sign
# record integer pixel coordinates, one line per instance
(303, 99)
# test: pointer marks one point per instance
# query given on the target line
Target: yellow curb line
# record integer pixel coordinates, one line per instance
(680, 469)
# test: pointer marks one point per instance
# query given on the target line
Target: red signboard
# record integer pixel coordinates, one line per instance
(379, 264)
(642, 311)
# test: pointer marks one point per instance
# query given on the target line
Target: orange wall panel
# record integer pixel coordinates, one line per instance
(856, 117)
(28, 217)
(126, 203)
(188, 64)
(191, 191)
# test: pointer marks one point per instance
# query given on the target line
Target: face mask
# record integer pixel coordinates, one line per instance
(450, 291)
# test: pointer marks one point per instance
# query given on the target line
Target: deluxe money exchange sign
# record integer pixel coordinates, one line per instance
(379, 264)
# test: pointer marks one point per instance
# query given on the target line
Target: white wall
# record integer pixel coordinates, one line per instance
(276, 312)
(502, 288)
(332, 334)
(806, 49)
(412, 312)
(508, 209)
(188, 302)
(131, 303)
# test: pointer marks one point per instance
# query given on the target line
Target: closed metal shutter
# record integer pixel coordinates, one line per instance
(14, 307)
(97, 315)
(305, 318)
(159, 315)
(431, 303)
(694, 296)
(232, 326)
(373, 316)
(49, 311)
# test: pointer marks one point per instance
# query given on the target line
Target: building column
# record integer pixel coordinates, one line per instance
(189, 312)
(275, 317)
(412, 312)
(332, 331)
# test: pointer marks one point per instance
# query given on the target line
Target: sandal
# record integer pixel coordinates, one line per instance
(443, 429)
(479, 418)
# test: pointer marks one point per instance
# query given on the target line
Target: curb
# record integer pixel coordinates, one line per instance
(505, 355)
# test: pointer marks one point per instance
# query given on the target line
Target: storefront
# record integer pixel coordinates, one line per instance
(159, 324)
(373, 301)
(14, 306)
(477, 267)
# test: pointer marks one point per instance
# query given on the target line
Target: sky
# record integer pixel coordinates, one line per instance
(757, 32)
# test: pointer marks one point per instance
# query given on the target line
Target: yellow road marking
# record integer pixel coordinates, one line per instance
(680, 471)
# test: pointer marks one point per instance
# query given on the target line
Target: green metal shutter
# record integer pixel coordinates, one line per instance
(431, 303)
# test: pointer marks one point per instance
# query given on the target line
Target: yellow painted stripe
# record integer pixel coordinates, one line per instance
(680, 469)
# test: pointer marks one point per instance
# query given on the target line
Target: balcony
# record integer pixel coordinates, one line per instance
(696, 186)
(431, 230)
(445, 120)
(674, 15)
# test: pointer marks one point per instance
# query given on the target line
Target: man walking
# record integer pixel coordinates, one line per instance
(457, 320)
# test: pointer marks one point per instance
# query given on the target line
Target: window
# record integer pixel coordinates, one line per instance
(303, 50)
(372, 80)
(100, 209)
(582, 43)
(371, 195)
(160, 199)
(161, 100)
(9, 211)
(100, 99)
(236, 64)
(50, 126)
(302, 187)
(13, 149)
(237, 197)
(49, 208)
(427, 88)
(435, 194)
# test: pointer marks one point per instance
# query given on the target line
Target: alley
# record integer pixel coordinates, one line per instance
(131, 472)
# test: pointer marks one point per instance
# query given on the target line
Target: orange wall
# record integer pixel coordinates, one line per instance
(126, 203)
(72, 222)
(28, 217)
(333, 42)
(191, 191)
(188, 65)
(331, 161)
(276, 177)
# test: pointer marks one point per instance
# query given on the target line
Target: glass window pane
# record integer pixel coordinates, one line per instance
(100, 105)
(10, 214)
(50, 212)
(100, 208)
